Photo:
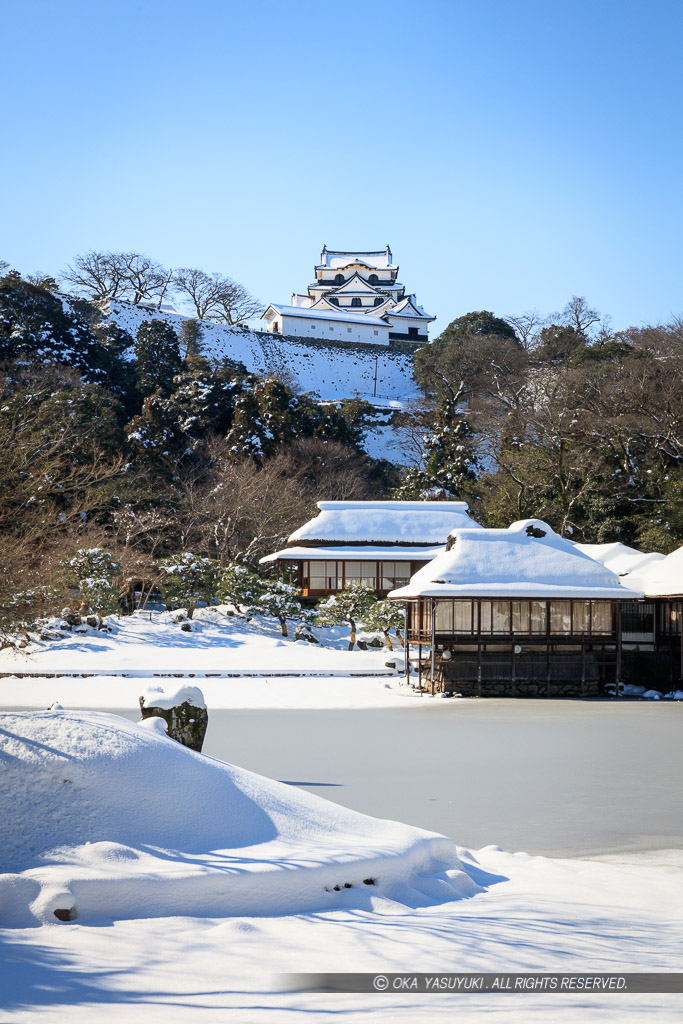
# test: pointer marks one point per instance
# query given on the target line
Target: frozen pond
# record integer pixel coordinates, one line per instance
(561, 778)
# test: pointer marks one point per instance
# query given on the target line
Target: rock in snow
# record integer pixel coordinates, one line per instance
(104, 819)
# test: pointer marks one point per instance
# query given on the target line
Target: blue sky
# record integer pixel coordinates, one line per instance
(512, 154)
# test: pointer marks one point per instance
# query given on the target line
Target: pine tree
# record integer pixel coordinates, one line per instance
(191, 333)
(281, 601)
(349, 606)
(450, 458)
(188, 578)
(92, 572)
(158, 357)
(239, 586)
(384, 616)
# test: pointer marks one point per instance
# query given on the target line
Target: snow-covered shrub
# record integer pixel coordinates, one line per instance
(281, 601)
(384, 616)
(239, 586)
(188, 578)
(93, 573)
(349, 606)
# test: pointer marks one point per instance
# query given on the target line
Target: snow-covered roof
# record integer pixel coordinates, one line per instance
(514, 563)
(379, 259)
(661, 578)
(408, 307)
(355, 285)
(323, 314)
(352, 553)
(620, 558)
(384, 522)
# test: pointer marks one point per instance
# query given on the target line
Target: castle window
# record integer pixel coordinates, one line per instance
(334, 300)
(355, 301)
(349, 329)
(373, 279)
(378, 301)
(276, 327)
(339, 279)
(413, 331)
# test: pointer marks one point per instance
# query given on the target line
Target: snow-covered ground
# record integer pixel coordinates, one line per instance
(196, 883)
(332, 371)
(240, 663)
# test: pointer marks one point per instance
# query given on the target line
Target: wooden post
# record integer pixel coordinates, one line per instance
(407, 665)
(419, 666)
(619, 648)
(433, 659)
(479, 646)
(583, 670)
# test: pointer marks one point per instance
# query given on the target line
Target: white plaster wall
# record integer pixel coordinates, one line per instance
(330, 330)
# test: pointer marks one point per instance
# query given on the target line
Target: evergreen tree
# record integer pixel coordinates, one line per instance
(188, 578)
(240, 587)
(92, 572)
(450, 459)
(191, 339)
(281, 601)
(349, 606)
(383, 617)
(40, 327)
(158, 357)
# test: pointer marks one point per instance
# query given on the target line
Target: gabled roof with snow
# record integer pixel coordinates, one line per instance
(356, 285)
(378, 259)
(527, 560)
(384, 522)
(620, 558)
(324, 314)
(408, 307)
(661, 578)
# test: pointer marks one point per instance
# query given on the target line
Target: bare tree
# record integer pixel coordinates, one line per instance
(526, 326)
(100, 276)
(144, 277)
(578, 314)
(97, 275)
(202, 290)
(235, 304)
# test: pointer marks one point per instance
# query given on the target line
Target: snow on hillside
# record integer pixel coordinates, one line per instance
(333, 371)
(103, 819)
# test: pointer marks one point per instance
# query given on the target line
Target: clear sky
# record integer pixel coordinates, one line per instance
(511, 153)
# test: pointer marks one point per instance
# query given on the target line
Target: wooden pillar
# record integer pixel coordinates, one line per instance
(618, 671)
(433, 658)
(583, 669)
(419, 666)
(547, 646)
(680, 632)
(479, 646)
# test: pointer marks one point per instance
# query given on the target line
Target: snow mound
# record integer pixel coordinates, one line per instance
(167, 697)
(101, 818)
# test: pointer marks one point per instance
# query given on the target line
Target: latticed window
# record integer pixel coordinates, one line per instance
(361, 572)
(394, 575)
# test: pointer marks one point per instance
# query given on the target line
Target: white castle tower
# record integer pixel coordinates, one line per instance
(355, 297)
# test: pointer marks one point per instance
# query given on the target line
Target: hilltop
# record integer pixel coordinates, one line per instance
(332, 370)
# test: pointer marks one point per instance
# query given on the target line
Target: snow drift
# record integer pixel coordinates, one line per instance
(100, 818)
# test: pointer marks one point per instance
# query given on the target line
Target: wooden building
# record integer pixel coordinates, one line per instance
(517, 612)
(378, 543)
(655, 656)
